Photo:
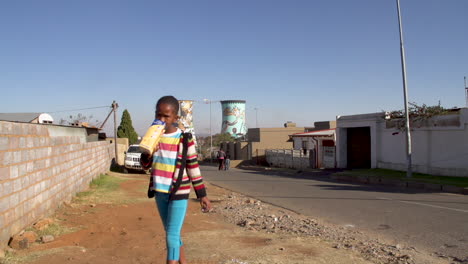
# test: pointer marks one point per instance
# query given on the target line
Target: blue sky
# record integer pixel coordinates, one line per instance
(300, 61)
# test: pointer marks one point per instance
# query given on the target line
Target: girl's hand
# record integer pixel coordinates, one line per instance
(145, 161)
(205, 204)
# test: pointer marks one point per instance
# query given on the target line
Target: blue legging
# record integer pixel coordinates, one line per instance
(172, 215)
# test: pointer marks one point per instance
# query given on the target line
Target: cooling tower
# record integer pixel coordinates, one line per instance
(234, 118)
(186, 118)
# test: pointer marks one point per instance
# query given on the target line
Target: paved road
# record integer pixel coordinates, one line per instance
(436, 222)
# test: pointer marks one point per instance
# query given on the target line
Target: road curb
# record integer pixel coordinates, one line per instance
(433, 186)
(401, 183)
(377, 180)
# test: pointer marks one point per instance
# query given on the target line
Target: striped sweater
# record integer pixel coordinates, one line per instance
(167, 162)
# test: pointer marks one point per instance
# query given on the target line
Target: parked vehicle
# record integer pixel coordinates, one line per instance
(132, 158)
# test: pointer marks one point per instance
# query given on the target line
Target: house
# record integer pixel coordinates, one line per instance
(439, 143)
(37, 118)
(261, 139)
(321, 125)
(318, 145)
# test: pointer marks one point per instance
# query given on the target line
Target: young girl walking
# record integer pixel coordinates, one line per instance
(172, 198)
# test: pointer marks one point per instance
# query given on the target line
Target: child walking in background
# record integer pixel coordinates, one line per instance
(172, 198)
(227, 161)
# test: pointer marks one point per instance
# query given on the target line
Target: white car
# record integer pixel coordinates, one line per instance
(132, 158)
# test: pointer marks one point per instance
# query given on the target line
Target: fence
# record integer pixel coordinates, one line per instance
(39, 171)
(290, 158)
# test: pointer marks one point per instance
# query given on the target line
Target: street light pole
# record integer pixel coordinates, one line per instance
(405, 93)
(211, 135)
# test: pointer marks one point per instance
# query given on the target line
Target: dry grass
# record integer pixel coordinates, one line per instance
(104, 190)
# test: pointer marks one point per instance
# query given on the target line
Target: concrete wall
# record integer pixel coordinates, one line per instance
(39, 171)
(440, 146)
(122, 147)
(287, 158)
(311, 145)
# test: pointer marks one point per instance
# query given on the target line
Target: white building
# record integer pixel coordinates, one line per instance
(439, 144)
(320, 144)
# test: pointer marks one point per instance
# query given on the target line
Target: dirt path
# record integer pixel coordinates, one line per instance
(130, 231)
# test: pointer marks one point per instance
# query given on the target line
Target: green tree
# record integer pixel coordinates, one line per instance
(126, 129)
(204, 144)
(218, 138)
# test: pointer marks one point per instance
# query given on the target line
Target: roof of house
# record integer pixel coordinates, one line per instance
(19, 117)
(325, 132)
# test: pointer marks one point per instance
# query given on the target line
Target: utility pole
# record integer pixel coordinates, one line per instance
(114, 109)
(466, 93)
(405, 93)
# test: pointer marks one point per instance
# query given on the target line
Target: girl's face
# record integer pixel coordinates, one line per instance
(167, 114)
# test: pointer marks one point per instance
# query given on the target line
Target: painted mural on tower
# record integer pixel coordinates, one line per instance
(234, 118)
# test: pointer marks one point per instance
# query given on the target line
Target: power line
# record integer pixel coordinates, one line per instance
(72, 110)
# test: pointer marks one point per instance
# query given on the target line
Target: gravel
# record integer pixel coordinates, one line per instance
(257, 216)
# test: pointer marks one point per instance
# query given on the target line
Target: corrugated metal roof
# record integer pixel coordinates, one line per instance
(19, 117)
(326, 132)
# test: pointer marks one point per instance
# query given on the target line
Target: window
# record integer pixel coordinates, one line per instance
(328, 143)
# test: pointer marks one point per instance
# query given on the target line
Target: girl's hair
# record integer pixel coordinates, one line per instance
(170, 100)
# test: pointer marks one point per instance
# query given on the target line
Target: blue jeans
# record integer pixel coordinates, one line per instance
(172, 215)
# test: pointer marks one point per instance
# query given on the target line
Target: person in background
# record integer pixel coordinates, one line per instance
(221, 157)
(227, 161)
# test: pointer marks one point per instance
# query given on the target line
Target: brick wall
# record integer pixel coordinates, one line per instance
(39, 172)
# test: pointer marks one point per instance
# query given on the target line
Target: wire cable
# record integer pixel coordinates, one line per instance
(80, 109)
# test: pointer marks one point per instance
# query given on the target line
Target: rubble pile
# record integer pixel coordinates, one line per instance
(261, 217)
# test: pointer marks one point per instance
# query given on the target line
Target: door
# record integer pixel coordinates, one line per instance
(359, 148)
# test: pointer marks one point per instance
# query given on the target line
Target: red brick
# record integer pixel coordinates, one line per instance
(6, 128)
(7, 189)
(4, 173)
(14, 171)
(42, 131)
(4, 204)
(14, 143)
(4, 143)
(22, 142)
(32, 129)
(9, 217)
(30, 142)
(17, 129)
(2, 222)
